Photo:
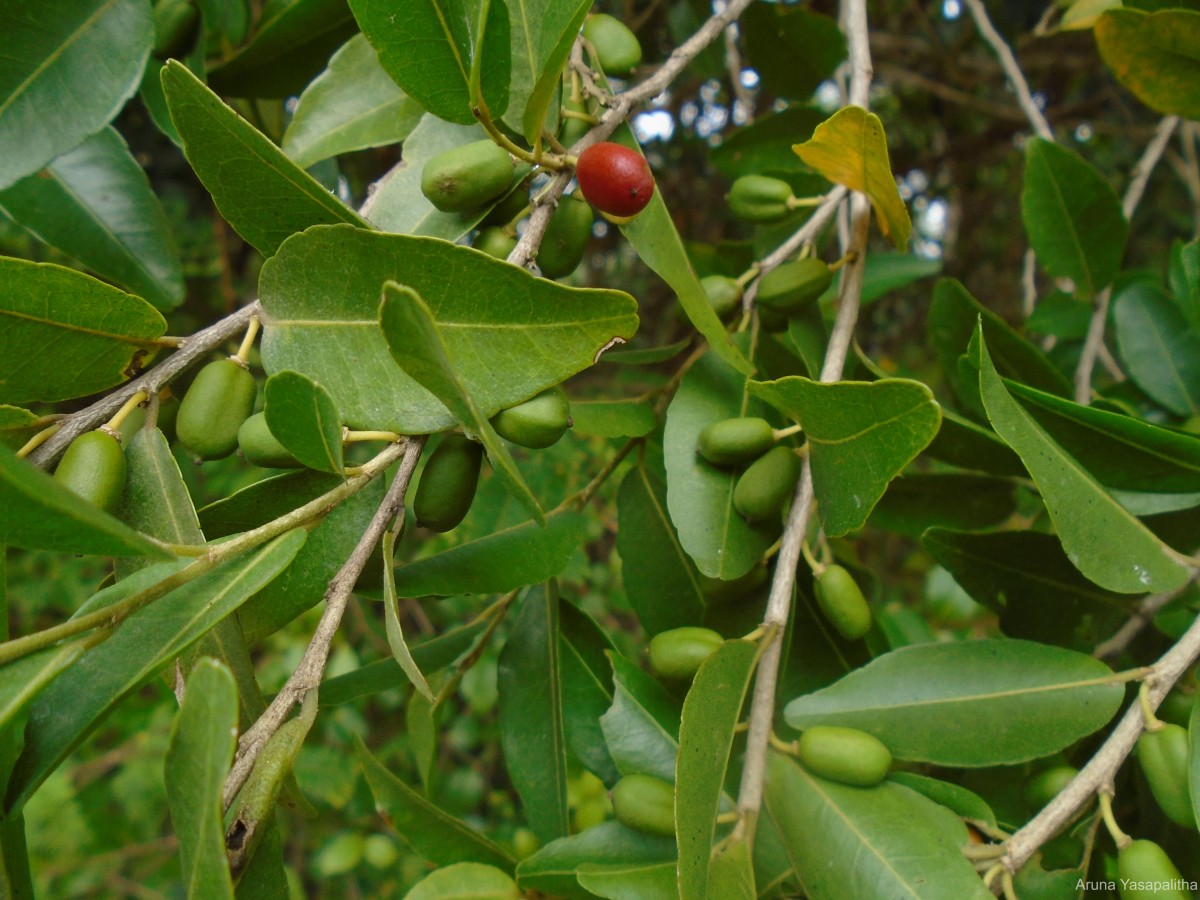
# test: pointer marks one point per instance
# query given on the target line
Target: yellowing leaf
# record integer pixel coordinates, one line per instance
(850, 149)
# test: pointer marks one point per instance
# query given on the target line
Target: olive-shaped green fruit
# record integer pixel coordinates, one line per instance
(1177, 707)
(448, 483)
(536, 423)
(678, 653)
(94, 468)
(525, 843)
(759, 198)
(1145, 872)
(845, 755)
(512, 205)
(843, 603)
(219, 400)
(572, 128)
(645, 803)
(767, 485)
(261, 447)
(1163, 756)
(168, 415)
(717, 591)
(724, 295)
(495, 242)
(732, 442)
(467, 177)
(566, 238)
(1048, 784)
(617, 48)
(791, 287)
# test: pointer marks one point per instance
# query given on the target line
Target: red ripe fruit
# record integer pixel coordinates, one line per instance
(615, 179)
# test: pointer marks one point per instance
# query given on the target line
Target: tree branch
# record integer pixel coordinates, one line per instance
(1016, 78)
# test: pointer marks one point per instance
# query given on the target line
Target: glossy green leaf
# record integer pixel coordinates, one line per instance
(53, 93)
(636, 881)
(1073, 217)
(64, 334)
(289, 47)
(587, 689)
(264, 195)
(543, 32)
(1105, 542)
(23, 679)
(531, 714)
(645, 356)
(1183, 276)
(765, 145)
(792, 49)
(352, 105)
(860, 436)
(432, 832)
(38, 513)
(850, 149)
(227, 17)
(149, 639)
(203, 739)
(660, 579)
(962, 443)
(446, 54)
(503, 561)
(963, 803)
(612, 418)
(711, 714)
(395, 632)
(969, 703)
(699, 495)
(95, 203)
(732, 873)
(461, 880)
(259, 503)
(888, 272)
(642, 725)
(16, 880)
(17, 426)
(1159, 347)
(419, 347)
(305, 419)
(849, 843)
(1027, 578)
(323, 321)
(1155, 55)
(609, 846)
(919, 500)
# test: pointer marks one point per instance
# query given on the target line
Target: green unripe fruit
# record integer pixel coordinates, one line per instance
(843, 603)
(767, 485)
(589, 814)
(1046, 785)
(495, 242)
(168, 416)
(380, 851)
(678, 653)
(467, 177)
(645, 803)
(617, 48)
(94, 468)
(845, 755)
(508, 208)
(448, 483)
(1142, 867)
(261, 447)
(792, 286)
(536, 423)
(1163, 756)
(717, 591)
(1177, 707)
(214, 408)
(732, 442)
(525, 843)
(572, 129)
(566, 238)
(758, 198)
(724, 295)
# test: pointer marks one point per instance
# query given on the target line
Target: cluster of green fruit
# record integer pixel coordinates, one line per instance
(783, 293)
(771, 473)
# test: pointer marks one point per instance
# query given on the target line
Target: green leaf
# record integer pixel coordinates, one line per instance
(792, 49)
(1156, 55)
(849, 843)
(732, 873)
(503, 561)
(419, 347)
(648, 356)
(850, 149)
(765, 145)
(288, 48)
(1073, 217)
(305, 419)
(38, 513)
(587, 689)
(1158, 347)
(352, 105)
(323, 321)
(95, 204)
(443, 53)
(860, 436)
(203, 739)
(68, 68)
(1183, 276)
(88, 336)
(81, 697)
(710, 717)
(432, 832)
(962, 443)
(963, 803)
(700, 496)
(22, 680)
(969, 703)
(612, 418)
(461, 880)
(17, 426)
(543, 32)
(395, 632)
(1026, 577)
(1105, 542)
(531, 714)
(607, 847)
(919, 500)
(264, 195)
(636, 881)
(888, 272)
(660, 579)
(642, 725)
(259, 503)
